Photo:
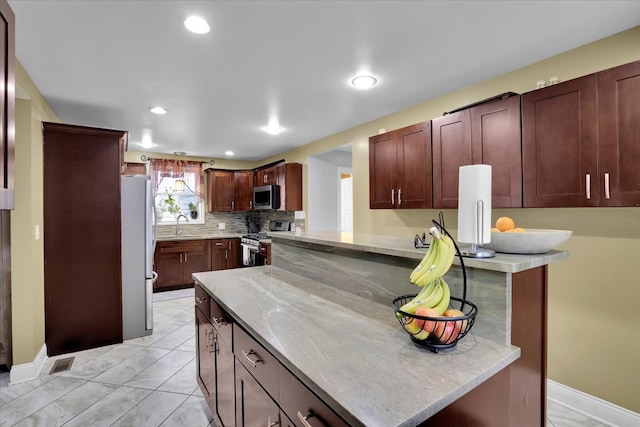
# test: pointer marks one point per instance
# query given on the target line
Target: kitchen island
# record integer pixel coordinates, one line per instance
(323, 310)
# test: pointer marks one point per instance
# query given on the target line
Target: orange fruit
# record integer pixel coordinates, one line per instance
(505, 223)
(519, 230)
(494, 230)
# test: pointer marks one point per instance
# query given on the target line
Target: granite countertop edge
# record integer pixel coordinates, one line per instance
(270, 304)
(403, 247)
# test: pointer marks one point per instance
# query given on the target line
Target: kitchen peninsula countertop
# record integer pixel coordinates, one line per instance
(199, 237)
(352, 352)
(403, 247)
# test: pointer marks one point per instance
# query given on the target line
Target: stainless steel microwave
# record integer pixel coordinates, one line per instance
(266, 197)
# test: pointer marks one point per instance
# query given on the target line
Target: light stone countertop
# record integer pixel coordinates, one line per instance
(183, 237)
(350, 351)
(404, 247)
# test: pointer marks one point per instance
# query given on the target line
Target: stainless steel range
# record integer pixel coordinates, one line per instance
(251, 248)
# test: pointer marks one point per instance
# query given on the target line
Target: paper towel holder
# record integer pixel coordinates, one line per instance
(474, 251)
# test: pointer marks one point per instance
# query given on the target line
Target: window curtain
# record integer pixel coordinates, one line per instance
(160, 168)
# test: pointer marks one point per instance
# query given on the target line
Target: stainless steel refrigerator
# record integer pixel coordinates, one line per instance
(138, 245)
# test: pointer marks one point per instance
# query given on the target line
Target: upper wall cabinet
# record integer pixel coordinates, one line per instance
(228, 190)
(580, 141)
(487, 133)
(7, 106)
(289, 178)
(400, 168)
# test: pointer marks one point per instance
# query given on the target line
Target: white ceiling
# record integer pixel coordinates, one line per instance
(103, 63)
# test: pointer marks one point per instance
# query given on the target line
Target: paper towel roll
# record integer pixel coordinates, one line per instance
(474, 223)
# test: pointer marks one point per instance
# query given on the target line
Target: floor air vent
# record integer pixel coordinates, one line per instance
(61, 365)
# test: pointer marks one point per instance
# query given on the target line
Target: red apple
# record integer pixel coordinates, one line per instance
(447, 331)
(462, 324)
(427, 325)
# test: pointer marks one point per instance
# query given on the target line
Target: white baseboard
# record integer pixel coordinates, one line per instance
(28, 371)
(592, 406)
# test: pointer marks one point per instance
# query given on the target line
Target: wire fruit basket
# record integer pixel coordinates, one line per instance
(437, 333)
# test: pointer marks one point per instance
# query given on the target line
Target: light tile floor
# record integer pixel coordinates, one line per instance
(143, 382)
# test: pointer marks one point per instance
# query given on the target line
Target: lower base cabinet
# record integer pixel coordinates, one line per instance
(245, 385)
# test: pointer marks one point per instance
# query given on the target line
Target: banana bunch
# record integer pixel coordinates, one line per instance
(436, 295)
(436, 262)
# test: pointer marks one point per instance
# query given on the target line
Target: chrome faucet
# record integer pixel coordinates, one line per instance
(178, 231)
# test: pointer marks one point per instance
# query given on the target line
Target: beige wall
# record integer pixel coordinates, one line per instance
(594, 296)
(27, 282)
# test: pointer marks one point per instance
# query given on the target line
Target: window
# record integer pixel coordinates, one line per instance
(178, 188)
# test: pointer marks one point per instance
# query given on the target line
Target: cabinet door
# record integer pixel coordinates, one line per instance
(382, 163)
(265, 253)
(7, 106)
(289, 178)
(196, 258)
(170, 269)
(219, 254)
(243, 190)
(225, 382)
(131, 168)
(559, 151)
(233, 253)
(451, 149)
(254, 407)
(619, 135)
(496, 141)
(413, 166)
(205, 358)
(220, 196)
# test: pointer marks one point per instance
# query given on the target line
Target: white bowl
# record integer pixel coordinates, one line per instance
(532, 241)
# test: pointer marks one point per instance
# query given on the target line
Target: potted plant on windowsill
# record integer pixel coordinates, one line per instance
(171, 205)
(193, 209)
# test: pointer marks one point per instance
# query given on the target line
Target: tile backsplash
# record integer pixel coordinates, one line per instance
(235, 222)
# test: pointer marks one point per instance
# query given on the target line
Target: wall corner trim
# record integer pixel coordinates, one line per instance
(606, 412)
(29, 371)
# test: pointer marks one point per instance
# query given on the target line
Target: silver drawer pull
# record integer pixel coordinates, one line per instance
(588, 185)
(201, 300)
(271, 424)
(219, 321)
(607, 194)
(304, 419)
(253, 362)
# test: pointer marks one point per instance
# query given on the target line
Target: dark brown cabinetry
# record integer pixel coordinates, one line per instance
(176, 261)
(265, 253)
(82, 243)
(254, 406)
(580, 145)
(131, 168)
(487, 133)
(229, 191)
(225, 253)
(400, 168)
(266, 176)
(7, 106)
(289, 178)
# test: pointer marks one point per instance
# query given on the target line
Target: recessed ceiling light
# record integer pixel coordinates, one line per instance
(146, 140)
(197, 25)
(228, 153)
(158, 110)
(273, 127)
(364, 81)
(179, 153)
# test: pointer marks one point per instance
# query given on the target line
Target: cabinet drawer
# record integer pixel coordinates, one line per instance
(258, 361)
(220, 319)
(202, 301)
(182, 246)
(302, 406)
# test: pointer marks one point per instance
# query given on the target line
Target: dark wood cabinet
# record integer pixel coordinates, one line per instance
(82, 242)
(205, 357)
(7, 106)
(229, 191)
(225, 253)
(254, 406)
(220, 190)
(176, 261)
(131, 168)
(289, 178)
(400, 168)
(266, 176)
(559, 144)
(487, 133)
(619, 136)
(265, 253)
(243, 190)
